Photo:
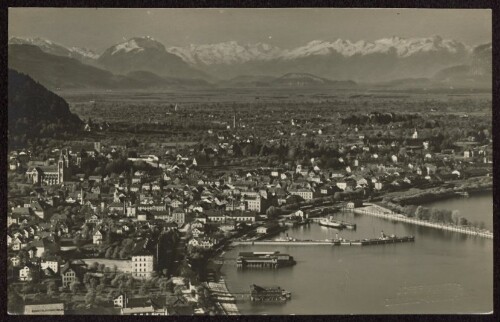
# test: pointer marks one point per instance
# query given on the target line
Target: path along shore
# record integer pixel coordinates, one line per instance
(381, 212)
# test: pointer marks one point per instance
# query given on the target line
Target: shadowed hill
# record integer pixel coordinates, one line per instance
(36, 112)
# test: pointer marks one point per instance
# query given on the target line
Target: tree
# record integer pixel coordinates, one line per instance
(422, 213)
(90, 297)
(178, 290)
(116, 253)
(109, 253)
(144, 289)
(74, 287)
(463, 221)
(51, 287)
(455, 215)
(100, 288)
(14, 302)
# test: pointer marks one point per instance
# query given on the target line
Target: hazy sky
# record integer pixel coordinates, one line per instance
(98, 29)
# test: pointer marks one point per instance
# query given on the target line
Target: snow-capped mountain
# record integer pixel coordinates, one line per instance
(226, 53)
(145, 54)
(385, 58)
(381, 60)
(82, 54)
(400, 46)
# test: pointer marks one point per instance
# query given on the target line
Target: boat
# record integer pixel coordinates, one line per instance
(349, 225)
(329, 222)
(284, 239)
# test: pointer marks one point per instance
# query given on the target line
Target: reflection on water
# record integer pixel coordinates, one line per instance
(442, 272)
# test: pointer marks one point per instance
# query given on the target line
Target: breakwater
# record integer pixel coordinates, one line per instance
(378, 211)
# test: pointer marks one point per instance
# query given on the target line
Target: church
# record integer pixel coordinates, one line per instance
(53, 174)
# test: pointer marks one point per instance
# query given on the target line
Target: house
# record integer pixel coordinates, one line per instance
(228, 226)
(197, 232)
(36, 248)
(93, 219)
(140, 306)
(26, 272)
(71, 273)
(262, 230)
(197, 224)
(354, 204)
(341, 184)
(205, 242)
(53, 265)
(178, 216)
(97, 237)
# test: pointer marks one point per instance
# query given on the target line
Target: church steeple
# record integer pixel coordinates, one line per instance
(61, 164)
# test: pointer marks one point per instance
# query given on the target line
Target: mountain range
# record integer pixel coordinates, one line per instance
(145, 62)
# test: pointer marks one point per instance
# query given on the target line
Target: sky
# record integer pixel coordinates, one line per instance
(98, 29)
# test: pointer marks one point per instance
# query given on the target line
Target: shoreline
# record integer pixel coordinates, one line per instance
(221, 293)
(382, 212)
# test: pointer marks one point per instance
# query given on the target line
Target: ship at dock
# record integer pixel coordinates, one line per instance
(383, 239)
(264, 260)
(273, 294)
(330, 222)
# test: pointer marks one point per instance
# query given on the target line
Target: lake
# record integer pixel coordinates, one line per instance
(441, 272)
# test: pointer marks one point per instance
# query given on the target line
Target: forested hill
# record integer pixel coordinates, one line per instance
(36, 112)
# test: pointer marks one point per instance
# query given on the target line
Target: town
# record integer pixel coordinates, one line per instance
(249, 161)
(134, 228)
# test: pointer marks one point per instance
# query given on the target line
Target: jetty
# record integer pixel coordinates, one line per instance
(382, 240)
(263, 260)
(381, 212)
(269, 294)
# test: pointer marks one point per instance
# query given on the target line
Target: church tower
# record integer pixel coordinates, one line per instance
(60, 168)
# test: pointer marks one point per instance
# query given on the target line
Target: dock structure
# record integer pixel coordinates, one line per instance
(263, 260)
(378, 211)
(269, 294)
(225, 301)
(382, 240)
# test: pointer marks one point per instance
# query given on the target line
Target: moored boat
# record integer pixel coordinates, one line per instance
(329, 222)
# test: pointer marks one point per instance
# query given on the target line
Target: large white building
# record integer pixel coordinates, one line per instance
(142, 265)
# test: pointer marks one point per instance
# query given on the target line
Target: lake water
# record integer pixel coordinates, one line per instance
(441, 272)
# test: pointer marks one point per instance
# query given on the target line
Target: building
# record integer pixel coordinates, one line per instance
(140, 306)
(46, 307)
(52, 175)
(204, 242)
(25, 273)
(97, 237)
(53, 265)
(71, 273)
(142, 265)
(305, 194)
(254, 203)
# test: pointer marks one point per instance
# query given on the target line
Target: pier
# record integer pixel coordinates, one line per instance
(378, 211)
(263, 260)
(335, 242)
